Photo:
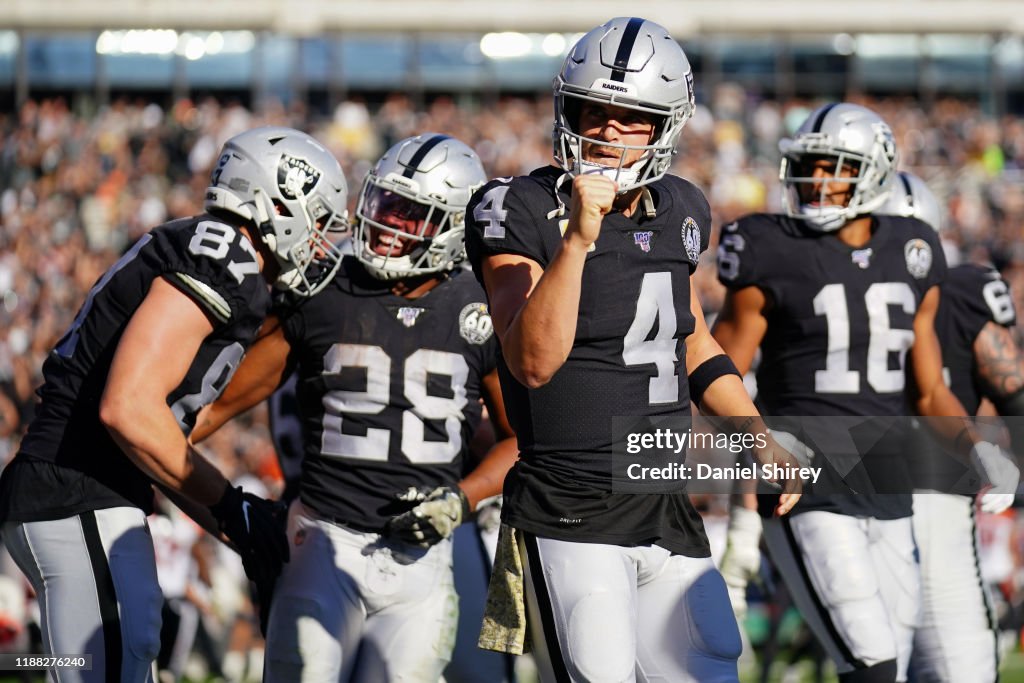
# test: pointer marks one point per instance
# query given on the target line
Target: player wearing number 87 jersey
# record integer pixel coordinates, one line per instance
(156, 339)
(588, 267)
(393, 358)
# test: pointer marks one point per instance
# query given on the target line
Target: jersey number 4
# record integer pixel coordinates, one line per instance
(837, 377)
(376, 443)
(655, 306)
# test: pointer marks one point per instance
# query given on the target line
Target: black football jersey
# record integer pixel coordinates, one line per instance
(286, 433)
(388, 390)
(972, 296)
(68, 462)
(840, 323)
(628, 358)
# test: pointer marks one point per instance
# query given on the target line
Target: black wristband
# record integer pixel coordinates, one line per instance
(228, 500)
(707, 372)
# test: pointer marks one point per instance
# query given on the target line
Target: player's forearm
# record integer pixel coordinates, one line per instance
(943, 413)
(731, 339)
(487, 479)
(540, 337)
(150, 437)
(199, 513)
(727, 396)
(214, 416)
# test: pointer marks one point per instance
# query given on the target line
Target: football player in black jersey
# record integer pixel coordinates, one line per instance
(156, 339)
(957, 639)
(587, 267)
(837, 298)
(393, 358)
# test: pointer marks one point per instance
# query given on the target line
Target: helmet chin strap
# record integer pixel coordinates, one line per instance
(826, 218)
(624, 175)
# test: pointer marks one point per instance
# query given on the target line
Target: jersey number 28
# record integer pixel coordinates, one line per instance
(376, 397)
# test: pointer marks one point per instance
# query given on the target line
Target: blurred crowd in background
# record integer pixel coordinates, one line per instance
(78, 187)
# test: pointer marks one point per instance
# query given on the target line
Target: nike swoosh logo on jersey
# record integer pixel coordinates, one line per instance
(245, 513)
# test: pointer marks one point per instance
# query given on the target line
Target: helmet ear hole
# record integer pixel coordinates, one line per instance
(282, 210)
(572, 107)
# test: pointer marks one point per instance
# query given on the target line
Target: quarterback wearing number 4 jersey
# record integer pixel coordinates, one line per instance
(554, 491)
(157, 338)
(393, 359)
(588, 269)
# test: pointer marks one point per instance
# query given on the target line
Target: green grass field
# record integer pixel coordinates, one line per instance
(1011, 671)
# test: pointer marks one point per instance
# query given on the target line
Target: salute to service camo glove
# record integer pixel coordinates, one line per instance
(433, 520)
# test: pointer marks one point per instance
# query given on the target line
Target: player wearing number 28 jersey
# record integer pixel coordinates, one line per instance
(393, 359)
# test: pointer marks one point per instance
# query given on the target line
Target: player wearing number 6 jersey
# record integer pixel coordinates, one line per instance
(842, 303)
(156, 339)
(588, 266)
(393, 358)
(957, 638)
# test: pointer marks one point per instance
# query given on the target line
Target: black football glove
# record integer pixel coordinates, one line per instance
(433, 519)
(264, 596)
(257, 528)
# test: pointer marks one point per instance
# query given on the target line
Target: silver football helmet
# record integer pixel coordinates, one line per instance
(293, 190)
(631, 63)
(911, 196)
(847, 134)
(411, 216)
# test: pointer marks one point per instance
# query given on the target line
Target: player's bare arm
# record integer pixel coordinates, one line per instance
(262, 371)
(535, 310)
(1000, 365)
(726, 395)
(933, 397)
(741, 326)
(152, 358)
(488, 476)
(936, 400)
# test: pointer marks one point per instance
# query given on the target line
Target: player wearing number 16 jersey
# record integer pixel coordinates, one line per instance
(588, 266)
(842, 303)
(393, 358)
(156, 339)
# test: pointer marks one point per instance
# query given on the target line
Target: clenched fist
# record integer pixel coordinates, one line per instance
(592, 198)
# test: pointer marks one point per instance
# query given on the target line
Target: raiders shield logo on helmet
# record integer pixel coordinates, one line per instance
(296, 177)
(475, 324)
(919, 257)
